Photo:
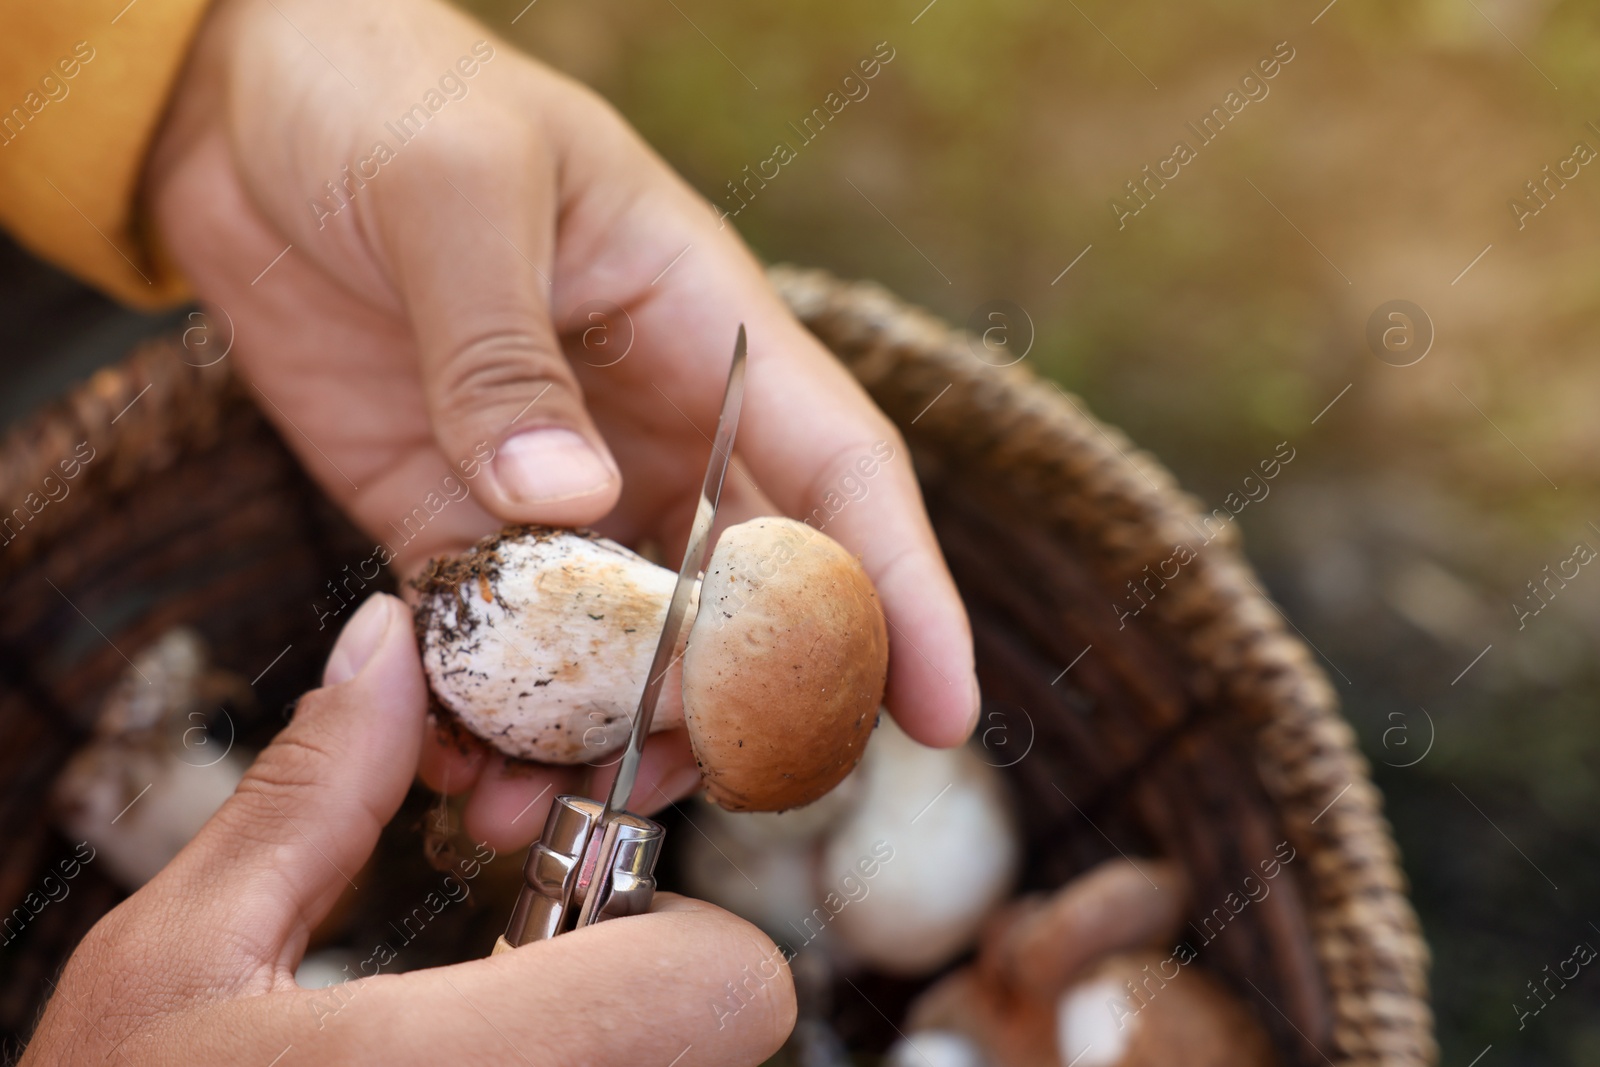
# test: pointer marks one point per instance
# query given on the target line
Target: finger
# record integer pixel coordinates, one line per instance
(452, 760)
(474, 271)
(742, 500)
(509, 804)
(714, 989)
(667, 773)
(807, 424)
(687, 984)
(275, 857)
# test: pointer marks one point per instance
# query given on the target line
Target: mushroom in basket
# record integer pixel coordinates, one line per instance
(1076, 979)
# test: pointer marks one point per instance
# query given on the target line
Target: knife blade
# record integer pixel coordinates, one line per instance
(694, 555)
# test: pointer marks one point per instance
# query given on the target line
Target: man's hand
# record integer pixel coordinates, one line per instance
(198, 966)
(410, 227)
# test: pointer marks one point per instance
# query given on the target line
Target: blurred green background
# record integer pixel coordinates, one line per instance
(1226, 315)
(1222, 319)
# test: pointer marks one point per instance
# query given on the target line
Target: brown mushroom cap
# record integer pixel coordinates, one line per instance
(1042, 943)
(785, 666)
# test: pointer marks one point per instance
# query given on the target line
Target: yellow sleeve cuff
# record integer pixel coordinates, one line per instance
(83, 87)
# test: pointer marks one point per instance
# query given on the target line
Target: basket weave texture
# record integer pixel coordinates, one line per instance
(1202, 730)
(1217, 734)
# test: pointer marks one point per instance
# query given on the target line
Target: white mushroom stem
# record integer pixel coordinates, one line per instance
(1088, 1026)
(904, 861)
(954, 846)
(541, 641)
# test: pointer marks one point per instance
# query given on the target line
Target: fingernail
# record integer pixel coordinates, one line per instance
(358, 640)
(549, 464)
(977, 703)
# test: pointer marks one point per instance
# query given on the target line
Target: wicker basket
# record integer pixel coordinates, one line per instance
(1202, 732)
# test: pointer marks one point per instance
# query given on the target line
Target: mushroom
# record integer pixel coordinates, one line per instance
(785, 666)
(1123, 1013)
(1073, 979)
(762, 865)
(539, 641)
(986, 1022)
(152, 775)
(1114, 1016)
(897, 868)
(1041, 942)
(942, 817)
(770, 885)
(936, 1048)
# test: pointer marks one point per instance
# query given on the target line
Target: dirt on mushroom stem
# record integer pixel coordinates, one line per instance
(537, 640)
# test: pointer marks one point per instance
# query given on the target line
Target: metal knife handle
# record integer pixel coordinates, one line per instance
(582, 871)
(625, 866)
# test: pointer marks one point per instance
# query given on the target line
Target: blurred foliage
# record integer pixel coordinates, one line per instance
(1226, 315)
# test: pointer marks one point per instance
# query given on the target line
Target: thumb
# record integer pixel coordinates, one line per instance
(274, 859)
(687, 985)
(473, 240)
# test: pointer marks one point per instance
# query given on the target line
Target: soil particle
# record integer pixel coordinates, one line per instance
(447, 580)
